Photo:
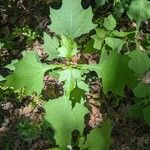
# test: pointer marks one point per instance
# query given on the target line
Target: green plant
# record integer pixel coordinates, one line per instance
(28, 130)
(2, 78)
(117, 69)
(26, 32)
(31, 77)
(140, 63)
(100, 2)
(108, 36)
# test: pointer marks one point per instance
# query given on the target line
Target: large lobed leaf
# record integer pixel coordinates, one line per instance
(114, 71)
(71, 19)
(64, 119)
(28, 74)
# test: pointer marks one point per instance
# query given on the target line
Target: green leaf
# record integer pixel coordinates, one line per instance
(116, 33)
(82, 85)
(142, 90)
(85, 68)
(83, 144)
(100, 138)
(71, 20)
(99, 38)
(70, 76)
(56, 148)
(110, 23)
(99, 2)
(2, 78)
(146, 112)
(115, 73)
(77, 95)
(64, 119)
(101, 33)
(139, 10)
(89, 47)
(11, 65)
(28, 74)
(139, 63)
(135, 111)
(91, 67)
(97, 42)
(50, 46)
(114, 43)
(28, 130)
(68, 48)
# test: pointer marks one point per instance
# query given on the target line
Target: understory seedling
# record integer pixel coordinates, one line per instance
(66, 113)
(116, 70)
